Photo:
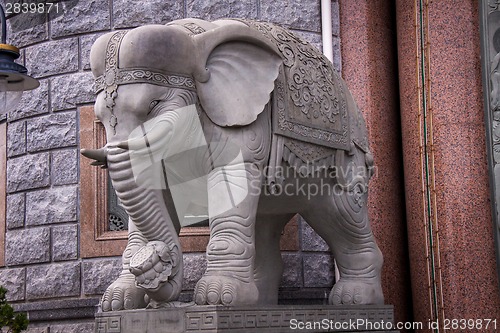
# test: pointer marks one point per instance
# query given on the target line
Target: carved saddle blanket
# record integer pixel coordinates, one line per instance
(310, 118)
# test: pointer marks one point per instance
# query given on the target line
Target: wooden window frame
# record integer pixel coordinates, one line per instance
(95, 238)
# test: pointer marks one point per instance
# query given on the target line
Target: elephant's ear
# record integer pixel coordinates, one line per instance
(241, 79)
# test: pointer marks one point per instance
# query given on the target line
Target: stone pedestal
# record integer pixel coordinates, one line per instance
(263, 319)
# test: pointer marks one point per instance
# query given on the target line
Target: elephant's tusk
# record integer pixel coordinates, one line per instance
(98, 155)
(95, 154)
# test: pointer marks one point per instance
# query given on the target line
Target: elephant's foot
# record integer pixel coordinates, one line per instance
(351, 291)
(217, 289)
(157, 270)
(123, 294)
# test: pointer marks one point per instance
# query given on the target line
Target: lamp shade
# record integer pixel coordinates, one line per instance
(13, 78)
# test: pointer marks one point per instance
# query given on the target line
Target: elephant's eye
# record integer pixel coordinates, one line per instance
(153, 104)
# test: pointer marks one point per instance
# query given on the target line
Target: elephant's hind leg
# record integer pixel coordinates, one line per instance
(342, 220)
(268, 262)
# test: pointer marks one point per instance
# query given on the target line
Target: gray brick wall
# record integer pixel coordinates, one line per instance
(42, 237)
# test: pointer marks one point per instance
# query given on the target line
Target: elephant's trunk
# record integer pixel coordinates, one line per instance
(146, 208)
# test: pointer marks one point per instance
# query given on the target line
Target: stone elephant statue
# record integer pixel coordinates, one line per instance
(249, 122)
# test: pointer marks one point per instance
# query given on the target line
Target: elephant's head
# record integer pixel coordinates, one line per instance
(140, 74)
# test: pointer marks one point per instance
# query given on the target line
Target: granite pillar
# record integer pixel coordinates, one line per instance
(369, 67)
(451, 244)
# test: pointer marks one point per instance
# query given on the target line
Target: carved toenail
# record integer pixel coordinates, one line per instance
(212, 297)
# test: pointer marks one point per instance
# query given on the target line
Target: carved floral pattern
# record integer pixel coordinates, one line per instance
(494, 5)
(313, 105)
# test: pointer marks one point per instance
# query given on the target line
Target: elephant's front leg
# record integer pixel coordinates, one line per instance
(123, 294)
(233, 194)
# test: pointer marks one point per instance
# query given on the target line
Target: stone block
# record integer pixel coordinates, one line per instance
(27, 29)
(335, 19)
(211, 10)
(54, 280)
(67, 91)
(292, 270)
(51, 131)
(64, 167)
(16, 207)
(98, 274)
(64, 242)
(72, 328)
(55, 205)
(38, 329)
(16, 138)
(14, 281)
(27, 246)
(249, 319)
(295, 14)
(318, 270)
(33, 102)
(195, 265)
(311, 241)
(86, 43)
(63, 55)
(92, 15)
(128, 14)
(28, 172)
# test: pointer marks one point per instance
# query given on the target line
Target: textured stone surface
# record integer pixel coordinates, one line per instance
(63, 55)
(128, 14)
(98, 274)
(64, 242)
(92, 15)
(311, 241)
(318, 270)
(211, 10)
(16, 138)
(296, 14)
(27, 246)
(33, 102)
(28, 172)
(64, 167)
(72, 328)
(38, 329)
(16, 205)
(54, 280)
(51, 131)
(315, 39)
(14, 281)
(86, 42)
(27, 29)
(292, 270)
(195, 265)
(54, 205)
(69, 90)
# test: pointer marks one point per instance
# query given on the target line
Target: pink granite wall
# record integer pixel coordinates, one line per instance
(465, 273)
(369, 66)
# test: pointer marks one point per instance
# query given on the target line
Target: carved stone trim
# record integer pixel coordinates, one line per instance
(194, 28)
(490, 49)
(248, 319)
(139, 75)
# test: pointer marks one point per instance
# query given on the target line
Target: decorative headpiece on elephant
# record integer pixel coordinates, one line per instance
(271, 116)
